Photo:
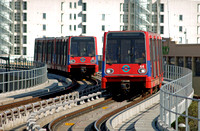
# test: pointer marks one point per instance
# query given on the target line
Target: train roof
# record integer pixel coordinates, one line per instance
(151, 34)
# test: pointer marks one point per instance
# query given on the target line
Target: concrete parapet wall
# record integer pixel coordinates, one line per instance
(130, 112)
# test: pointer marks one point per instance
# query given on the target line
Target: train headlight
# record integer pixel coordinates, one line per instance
(142, 71)
(93, 61)
(72, 61)
(109, 71)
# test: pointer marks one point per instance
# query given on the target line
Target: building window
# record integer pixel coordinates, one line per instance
(197, 64)
(198, 8)
(17, 50)
(161, 29)
(154, 7)
(189, 62)
(61, 29)
(121, 18)
(198, 19)
(74, 16)
(17, 5)
(24, 39)
(62, 3)
(17, 17)
(121, 6)
(24, 5)
(24, 28)
(154, 29)
(103, 17)
(180, 28)
(24, 17)
(121, 27)
(84, 29)
(17, 39)
(70, 5)
(198, 40)
(44, 15)
(125, 7)
(198, 30)
(24, 51)
(161, 18)
(125, 27)
(181, 17)
(70, 16)
(103, 28)
(180, 40)
(17, 28)
(70, 27)
(125, 18)
(62, 14)
(154, 18)
(44, 27)
(84, 7)
(74, 27)
(161, 7)
(171, 60)
(84, 18)
(180, 61)
(74, 4)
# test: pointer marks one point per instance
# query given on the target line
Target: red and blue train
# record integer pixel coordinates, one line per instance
(74, 54)
(132, 62)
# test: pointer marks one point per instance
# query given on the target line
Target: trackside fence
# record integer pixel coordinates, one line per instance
(21, 74)
(175, 98)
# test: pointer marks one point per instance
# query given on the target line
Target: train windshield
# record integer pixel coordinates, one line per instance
(125, 48)
(82, 46)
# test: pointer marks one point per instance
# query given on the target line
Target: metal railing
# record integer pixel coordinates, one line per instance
(176, 96)
(21, 74)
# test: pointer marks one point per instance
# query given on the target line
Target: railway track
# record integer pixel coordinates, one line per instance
(98, 113)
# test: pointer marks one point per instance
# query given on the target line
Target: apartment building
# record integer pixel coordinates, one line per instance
(56, 18)
(180, 20)
(6, 24)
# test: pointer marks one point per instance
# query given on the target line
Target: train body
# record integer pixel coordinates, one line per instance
(132, 61)
(74, 54)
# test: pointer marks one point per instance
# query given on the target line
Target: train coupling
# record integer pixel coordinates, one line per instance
(125, 85)
(83, 69)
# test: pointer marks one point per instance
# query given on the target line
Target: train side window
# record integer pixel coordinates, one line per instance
(151, 61)
(160, 55)
(157, 57)
(154, 58)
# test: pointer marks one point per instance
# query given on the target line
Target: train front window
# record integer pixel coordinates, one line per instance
(82, 46)
(125, 48)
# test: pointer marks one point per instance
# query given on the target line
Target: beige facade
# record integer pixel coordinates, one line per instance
(185, 55)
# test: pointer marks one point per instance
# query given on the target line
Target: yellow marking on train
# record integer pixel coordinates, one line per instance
(69, 124)
(84, 80)
(104, 108)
